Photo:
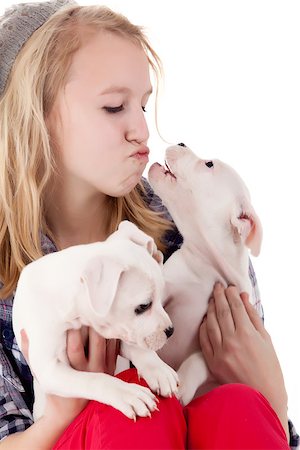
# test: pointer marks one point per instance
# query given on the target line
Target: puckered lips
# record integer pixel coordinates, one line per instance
(141, 154)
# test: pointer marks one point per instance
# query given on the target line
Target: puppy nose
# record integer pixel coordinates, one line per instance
(181, 144)
(209, 164)
(169, 331)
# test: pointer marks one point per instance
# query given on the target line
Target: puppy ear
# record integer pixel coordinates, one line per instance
(247, 228)
(100, 279)
(159, 257)
(132, 232)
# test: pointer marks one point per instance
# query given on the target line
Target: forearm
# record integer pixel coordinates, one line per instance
(42, 435)
(284, 422)
(281, 411)
(277, 396)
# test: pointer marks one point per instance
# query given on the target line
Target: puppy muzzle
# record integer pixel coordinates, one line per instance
(155, 341)
(169, 331)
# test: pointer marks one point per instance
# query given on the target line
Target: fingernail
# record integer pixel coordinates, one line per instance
(218, 285)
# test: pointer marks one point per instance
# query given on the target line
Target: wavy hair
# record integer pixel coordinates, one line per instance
(27, 160)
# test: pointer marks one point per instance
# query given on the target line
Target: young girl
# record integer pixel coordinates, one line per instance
(74, 84)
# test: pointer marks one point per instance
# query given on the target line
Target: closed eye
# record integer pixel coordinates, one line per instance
(116, 109)
(113, 110)
(142, 308)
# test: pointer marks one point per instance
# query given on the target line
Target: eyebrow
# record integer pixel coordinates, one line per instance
(121, 90)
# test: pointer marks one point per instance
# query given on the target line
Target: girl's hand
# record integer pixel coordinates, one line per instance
(238, 349)
(87, 351)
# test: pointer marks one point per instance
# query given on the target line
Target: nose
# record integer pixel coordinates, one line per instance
(137, 127)
(169, 331)
(209, 164)
(181, 144)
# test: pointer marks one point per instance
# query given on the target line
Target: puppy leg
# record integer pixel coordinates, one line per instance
(129, 398)
(161, 378)
(192, 373)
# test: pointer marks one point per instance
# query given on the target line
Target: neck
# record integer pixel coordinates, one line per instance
(77, 220)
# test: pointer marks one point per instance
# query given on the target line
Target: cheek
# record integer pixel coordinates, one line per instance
(93, 129)
(92, 149)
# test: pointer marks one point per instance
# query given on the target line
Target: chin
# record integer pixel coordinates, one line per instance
(128, 186)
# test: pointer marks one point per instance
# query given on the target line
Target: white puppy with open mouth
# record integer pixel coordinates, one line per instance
(116, 287)
(211, 207)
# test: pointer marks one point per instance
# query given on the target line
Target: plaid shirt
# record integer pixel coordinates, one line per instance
(16, 388)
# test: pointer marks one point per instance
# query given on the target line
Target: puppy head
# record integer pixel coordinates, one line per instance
(125, 297)
(210, 194)
(137, 316)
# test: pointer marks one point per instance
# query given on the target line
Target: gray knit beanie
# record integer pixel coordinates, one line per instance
(17, 24)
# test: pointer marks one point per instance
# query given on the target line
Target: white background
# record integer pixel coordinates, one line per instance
(232, 91)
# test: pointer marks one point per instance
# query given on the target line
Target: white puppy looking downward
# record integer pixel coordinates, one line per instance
(211, 207)
(115, 287)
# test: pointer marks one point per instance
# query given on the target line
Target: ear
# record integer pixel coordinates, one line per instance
(132, 232)
(247, 228)
(159, 257)
(100, 279)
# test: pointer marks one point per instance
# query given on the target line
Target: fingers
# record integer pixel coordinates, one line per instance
(223, 310)
(95, 357)
(97, 352)
(253, 314)
(234, 310)
(205, 344)
(212, 325)
(112, 351)
(239, 309)
(75, 350)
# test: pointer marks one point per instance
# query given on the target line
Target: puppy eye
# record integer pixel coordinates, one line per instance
(209, 164)
(142, 308)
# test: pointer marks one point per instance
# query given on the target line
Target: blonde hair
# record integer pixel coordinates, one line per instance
(26, 155)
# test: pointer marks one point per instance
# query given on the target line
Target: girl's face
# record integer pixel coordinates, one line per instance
(98, 119)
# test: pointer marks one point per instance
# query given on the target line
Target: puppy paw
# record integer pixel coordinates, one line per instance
(185, 394)
(192, 373)
(133, 400)
(161, 379)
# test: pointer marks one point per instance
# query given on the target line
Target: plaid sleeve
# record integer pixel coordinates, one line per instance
(15, 395)
(294, 437)
(255, 291)
(14, 413)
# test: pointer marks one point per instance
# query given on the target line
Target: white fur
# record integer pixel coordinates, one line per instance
(97, 285)
(212, 209)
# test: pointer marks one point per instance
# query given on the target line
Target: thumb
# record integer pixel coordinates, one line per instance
(24, 345)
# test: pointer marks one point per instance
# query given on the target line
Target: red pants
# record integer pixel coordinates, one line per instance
(232, 416)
